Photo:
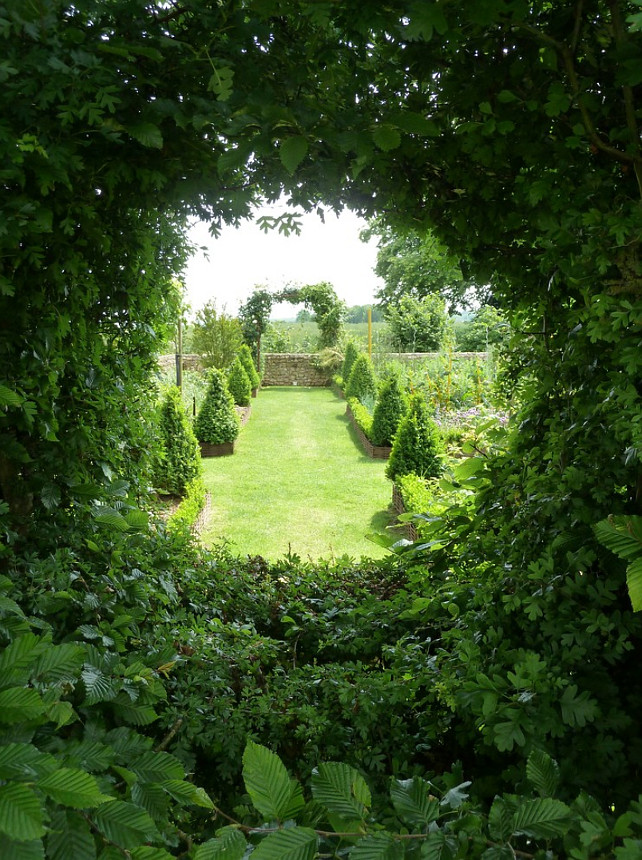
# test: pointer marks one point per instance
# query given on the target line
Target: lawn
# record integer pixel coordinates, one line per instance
(298, 482)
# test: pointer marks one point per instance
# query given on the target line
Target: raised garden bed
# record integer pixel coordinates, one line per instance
(223, 449)
(378, 452)
(398, 506)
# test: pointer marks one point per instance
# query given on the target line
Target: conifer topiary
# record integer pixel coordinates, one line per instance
(180, 460)
(349, 359)
(239, 383)
(388, 412)
(245, 357)
(362, 382)
(217, 421)
(417, 445)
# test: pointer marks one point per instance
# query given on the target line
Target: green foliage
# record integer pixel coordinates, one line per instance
(418, 818)
(216, 337)
(414, 263)
(623, 535)
(179, 462)
(349, 358)
(328, 309)
(417, 325)
(217, 420)
(361, 382)
(356, 314)
(389, 408)
(245, 357)
(254, 315)
(238, 383)
(190, 507)
(488, 327)
(361, 415)
(417, 445)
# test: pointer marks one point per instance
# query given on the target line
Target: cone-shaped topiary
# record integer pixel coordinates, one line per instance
(361, 382)
(245, 357)
(217, 420)
(388, 412)
(239, 383)
(349, 359)
(180, 461)
(417, 444)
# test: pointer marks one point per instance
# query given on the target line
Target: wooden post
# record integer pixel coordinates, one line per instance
(179, 355)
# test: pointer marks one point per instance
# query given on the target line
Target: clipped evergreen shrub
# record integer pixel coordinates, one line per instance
(388, 412)
(417, 445)
(180, 462)
(239, 383)
(217, 421)
(362, 381)
(245, 357)
(349, 359)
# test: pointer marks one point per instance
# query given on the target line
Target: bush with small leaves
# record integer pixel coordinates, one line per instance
(417, 445)
(349, 359)
(217, 421)
(245, 357)
(388, 412)
(239, 383)
(362, 381)
(179, 462)
(361, 415)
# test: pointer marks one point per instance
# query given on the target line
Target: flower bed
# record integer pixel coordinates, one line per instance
(378, 452)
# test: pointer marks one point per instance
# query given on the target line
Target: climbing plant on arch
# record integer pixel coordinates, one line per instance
(320, 298)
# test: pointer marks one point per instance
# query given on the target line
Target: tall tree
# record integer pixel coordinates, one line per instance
(415, 264)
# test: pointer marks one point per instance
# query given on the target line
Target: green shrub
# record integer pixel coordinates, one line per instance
(361, 382)
(389, 409)
(349, 359)
(179, 461)
(245, 357)
(361, 416)
(217, 420)
(417, 445)
(239, 383)
(185, 515)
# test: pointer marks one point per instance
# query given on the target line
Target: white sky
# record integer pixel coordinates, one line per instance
(240, 259)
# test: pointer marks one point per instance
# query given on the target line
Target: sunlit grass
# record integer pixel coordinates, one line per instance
(298, 482)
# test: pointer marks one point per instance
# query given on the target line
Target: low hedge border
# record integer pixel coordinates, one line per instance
(359, 416)
(399, 507)
(191, 509)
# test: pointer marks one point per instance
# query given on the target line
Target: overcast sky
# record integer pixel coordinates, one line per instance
(240, 259)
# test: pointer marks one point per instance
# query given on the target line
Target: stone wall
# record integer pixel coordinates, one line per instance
(282, 368)
(190, 361)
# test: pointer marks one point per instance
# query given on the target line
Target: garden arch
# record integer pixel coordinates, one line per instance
(319, 298)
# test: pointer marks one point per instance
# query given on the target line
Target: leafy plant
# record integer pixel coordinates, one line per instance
(388, 411)
(361, 416)
(245, 357)
(217, 420)
(421, 817)
(417, 445)
(417, 325)
(217, 337)
(349, 358)
(362, 381)
(179, 461)
(239, 384)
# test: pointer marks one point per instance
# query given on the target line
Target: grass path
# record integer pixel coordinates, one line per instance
(298, 481)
